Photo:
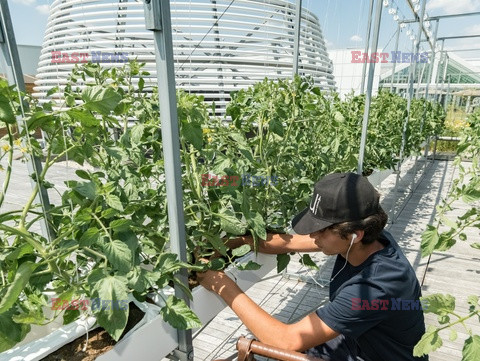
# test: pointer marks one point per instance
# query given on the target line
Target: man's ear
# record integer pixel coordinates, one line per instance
(359, 236)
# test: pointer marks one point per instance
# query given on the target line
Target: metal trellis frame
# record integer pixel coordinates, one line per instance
(368, 95)
(11, 59)
(158, 20)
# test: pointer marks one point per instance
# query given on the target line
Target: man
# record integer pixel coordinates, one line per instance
(374, 312)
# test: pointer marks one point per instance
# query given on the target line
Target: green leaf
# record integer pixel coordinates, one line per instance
(217, 264)
(471, 195)
(119, 255)
(86, 189)
(137, 133)
(6, 111)
(453, 335)
(429, 240)
(439, 304)
(120, 225)
(241, 251)
(193, 134)
(307, 261)
(83, 174)
(11, 332)
(250, 265)
(179, 315)
(22, 276)
(276, 127)
(89, 237)
(256, 222)
(429, 342)
(85, 118)
(101, 99)
(475, 245)
(230, 223)
(70, 315)
(168, 263)
(472, 300)
(282, 261)
(217, 243)
(114, 202)
(471, 349)
(112, 319)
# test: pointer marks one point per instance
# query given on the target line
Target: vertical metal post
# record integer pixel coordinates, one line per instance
(15, 76)
(157, 19)
(448, 94)
(431, 65)
(368, 95)
(296, 44)
(367, 42)
(409, 103)
(441, 61)
(395, 63)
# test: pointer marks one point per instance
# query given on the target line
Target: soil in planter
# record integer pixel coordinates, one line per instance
(99, 341)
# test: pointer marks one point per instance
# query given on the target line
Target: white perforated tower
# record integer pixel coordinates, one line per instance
(219, 45)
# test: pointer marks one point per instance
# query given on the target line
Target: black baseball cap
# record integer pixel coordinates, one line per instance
(337, 197)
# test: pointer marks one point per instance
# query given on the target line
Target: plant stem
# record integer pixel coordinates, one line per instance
(460, 320)
(8, 173)
(102, 226)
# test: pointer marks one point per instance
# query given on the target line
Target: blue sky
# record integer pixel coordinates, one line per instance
(343, 22)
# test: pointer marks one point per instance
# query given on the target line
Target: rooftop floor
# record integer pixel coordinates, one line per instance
(292, 295)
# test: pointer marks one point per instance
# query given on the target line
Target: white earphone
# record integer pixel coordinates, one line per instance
(354, 237)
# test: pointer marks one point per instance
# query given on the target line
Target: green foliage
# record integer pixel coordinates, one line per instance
(111, 231)
(445, 232)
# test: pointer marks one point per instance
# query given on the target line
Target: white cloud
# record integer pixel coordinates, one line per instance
(43, 9)
(454, 6)
(356, 38)
(328, 43)
(26, 2)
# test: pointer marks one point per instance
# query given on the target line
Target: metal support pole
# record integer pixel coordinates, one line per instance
(368, 95)
(447, 95)
(409, 103)
(296, 44)
(157, 19)
(395, 63)
(430, 68)
(15, 76)
(367, 42)
(435, 96)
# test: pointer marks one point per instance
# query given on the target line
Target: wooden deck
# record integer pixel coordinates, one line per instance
(292, 295)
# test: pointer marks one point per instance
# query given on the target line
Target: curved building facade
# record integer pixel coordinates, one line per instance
(219, 45)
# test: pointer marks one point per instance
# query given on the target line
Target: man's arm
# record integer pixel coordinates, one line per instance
(308, 332)
(279, 243)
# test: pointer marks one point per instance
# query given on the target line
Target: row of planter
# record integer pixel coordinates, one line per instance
(152, 338)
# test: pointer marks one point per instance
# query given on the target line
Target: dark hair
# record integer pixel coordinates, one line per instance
(372, 225)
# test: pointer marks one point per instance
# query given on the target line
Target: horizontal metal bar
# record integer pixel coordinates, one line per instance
(459, 37)
(430, 18)
(449, 139)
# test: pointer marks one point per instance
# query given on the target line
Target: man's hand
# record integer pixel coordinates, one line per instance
(216, 281)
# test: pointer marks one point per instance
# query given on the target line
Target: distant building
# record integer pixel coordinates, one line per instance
(29, 57)
(219, 47)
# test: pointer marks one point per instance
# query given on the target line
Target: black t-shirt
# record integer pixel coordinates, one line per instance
(377, 304)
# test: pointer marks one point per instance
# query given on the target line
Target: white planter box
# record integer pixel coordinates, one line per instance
(152, 340)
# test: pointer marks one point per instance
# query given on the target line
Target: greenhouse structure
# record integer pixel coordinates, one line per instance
(239, 179)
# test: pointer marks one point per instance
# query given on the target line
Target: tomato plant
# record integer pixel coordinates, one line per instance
(111, 231)
(443, 235)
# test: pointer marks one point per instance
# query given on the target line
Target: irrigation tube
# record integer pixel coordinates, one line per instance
(368, 98)
(157, 19)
